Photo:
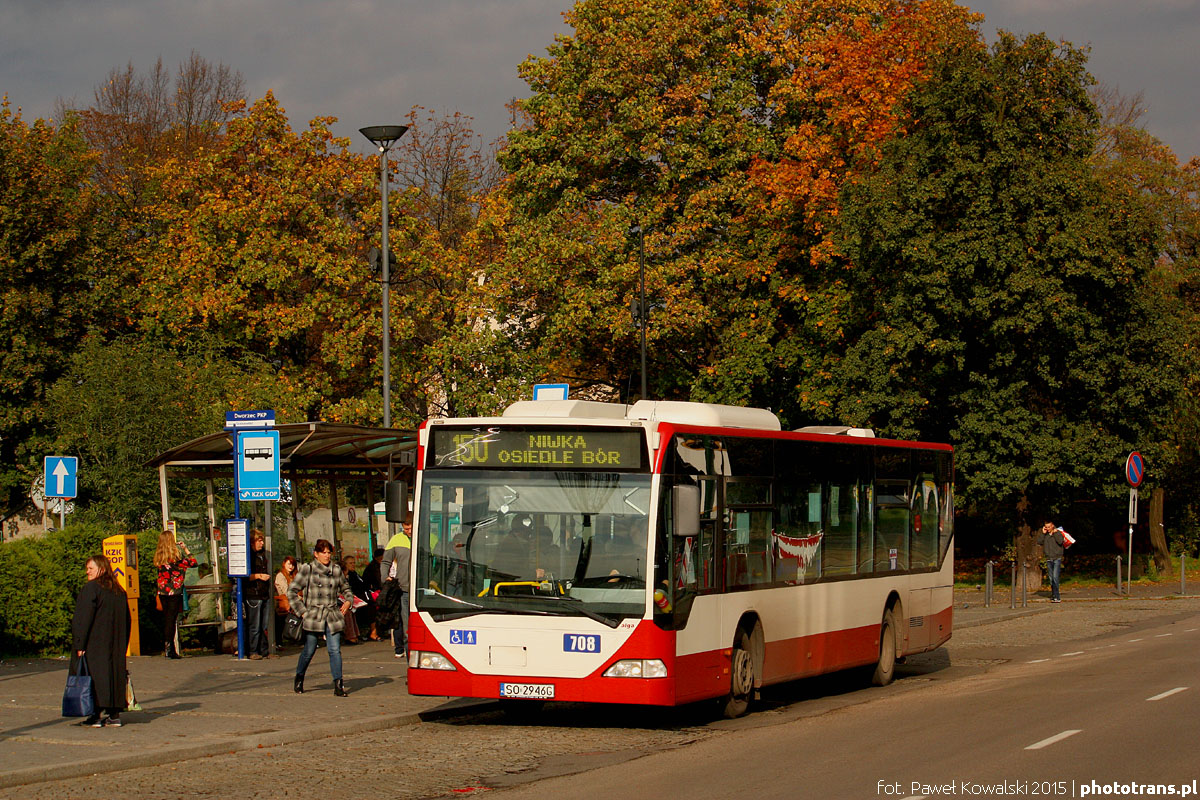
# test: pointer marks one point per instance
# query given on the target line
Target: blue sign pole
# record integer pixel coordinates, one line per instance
(257, 475)
(237, 513)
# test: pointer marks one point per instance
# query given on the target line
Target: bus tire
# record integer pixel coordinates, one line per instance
(885, 667)
(741, 677)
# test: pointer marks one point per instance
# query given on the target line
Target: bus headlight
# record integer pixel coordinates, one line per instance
(637, 668)
(419, 660)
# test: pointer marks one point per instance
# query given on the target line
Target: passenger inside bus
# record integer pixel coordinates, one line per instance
(547, 555)
(515, 555)
(624, 552)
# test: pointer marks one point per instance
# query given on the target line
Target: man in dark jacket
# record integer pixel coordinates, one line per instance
(397, 557)
(257, 597)
(1051, 540)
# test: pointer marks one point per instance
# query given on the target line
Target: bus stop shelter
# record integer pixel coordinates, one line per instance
(332, 453)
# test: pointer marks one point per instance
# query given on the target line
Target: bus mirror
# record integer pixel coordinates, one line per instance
(395, 501)
(685, 500)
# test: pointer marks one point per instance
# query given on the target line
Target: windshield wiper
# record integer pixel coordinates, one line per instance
(452, 599)
(611, 622)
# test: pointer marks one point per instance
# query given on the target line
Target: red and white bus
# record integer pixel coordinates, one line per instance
(668, 552)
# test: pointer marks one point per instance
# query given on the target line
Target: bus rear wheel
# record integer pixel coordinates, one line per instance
(885, 667)
(741, 677)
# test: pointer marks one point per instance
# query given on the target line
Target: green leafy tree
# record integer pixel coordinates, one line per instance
(46, 253)
(123, 402)
(1002, 292)
(1134, 164)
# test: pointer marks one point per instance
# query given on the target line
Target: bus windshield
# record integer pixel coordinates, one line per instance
(535, 542)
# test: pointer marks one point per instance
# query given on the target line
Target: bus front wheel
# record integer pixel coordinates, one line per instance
(885, 667)
(741, 677)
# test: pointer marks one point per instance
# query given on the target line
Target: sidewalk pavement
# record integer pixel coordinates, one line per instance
(970, 611)
(205, 705)
(199, 706)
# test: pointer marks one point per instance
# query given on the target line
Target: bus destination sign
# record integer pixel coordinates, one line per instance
(501, 448)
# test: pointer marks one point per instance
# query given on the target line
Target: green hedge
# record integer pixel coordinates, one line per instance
(40, 578)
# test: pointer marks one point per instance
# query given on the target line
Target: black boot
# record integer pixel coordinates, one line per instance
(339, 688)
(298, 684)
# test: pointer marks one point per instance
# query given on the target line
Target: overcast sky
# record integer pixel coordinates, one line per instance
(368, 61)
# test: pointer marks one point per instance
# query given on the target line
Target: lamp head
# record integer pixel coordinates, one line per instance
(383, 135)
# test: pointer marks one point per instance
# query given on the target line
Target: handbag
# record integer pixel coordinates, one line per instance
(79, 698)
(350, 630)
(293, 628)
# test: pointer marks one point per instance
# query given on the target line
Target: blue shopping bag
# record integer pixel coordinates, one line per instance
(79, 698)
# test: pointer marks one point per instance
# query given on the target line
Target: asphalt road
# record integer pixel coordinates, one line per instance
(1060, 721)
(966, 713)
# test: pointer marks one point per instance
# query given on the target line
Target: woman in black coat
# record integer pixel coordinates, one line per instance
(100, 630)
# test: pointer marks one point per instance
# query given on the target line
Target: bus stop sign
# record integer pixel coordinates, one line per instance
(1135, 469)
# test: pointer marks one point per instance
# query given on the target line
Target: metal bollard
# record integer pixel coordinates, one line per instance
(1119, 575)
(987, 592)
(1012, 587)
(1183, 573)
(1024, 586)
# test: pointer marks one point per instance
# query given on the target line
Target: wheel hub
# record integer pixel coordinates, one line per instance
(743, 672)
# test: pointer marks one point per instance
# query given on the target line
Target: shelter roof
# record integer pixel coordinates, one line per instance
(324, 448)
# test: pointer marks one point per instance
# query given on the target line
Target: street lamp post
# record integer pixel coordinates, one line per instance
(383, 137)
(640, 312)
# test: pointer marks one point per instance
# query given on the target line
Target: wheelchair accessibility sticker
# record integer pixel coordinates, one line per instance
(463, 637)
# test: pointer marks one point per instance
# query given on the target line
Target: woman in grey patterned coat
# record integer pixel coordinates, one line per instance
(320, 594)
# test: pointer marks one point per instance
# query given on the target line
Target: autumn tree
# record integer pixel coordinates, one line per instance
(723, 129)
(138, 120)
(1000, 289)
(46, 240)
(448, 355)
(263, 247)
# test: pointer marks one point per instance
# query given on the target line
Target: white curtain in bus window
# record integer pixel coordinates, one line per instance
(798, 540)
(946, 521)
(924, 524)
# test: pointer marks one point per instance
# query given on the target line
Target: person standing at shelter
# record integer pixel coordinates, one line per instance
(283, 579)
(100, 633)
(256, 597)
(320, 594)
(397, 557)
(172, 569)
(1051, 540)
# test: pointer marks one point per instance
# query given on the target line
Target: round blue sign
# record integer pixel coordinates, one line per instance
(1135, 469)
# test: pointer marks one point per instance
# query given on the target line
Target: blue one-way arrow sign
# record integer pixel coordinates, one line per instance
(59, 479)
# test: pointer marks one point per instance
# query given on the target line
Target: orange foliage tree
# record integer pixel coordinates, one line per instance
(726, 129)
(262, 245)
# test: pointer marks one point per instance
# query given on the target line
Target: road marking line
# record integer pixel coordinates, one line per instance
(1167, 693)
(1159, 636)
(1037, 661)
(917, 797)
(1135, 640)
(1058, 737)
(1076, 653)
(1189, 630)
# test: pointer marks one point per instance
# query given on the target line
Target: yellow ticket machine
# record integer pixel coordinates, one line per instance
(122, 552)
